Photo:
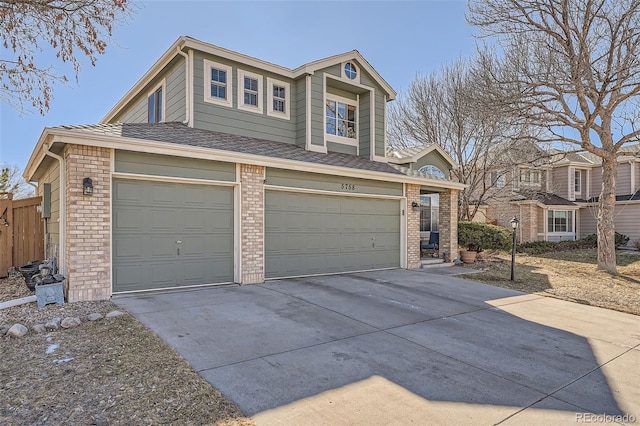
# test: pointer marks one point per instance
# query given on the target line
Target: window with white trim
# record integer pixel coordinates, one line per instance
(278, 98)
(429, 212)
(560, 221)
(530, 176)
(577, 184)
(433, 171)
(498, 179)
(250, 91)
(340, 118)
(217, 83)
(155, 108)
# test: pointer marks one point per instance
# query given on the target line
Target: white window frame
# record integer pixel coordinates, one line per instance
(162, 85)
(241, 105)
(336, 138)
(287, 99)
(500, 180)
(343, 72)
(577, 183)
(228, 102)
(553, 231)
(436, 171)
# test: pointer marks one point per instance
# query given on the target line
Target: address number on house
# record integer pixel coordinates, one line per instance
(348, 187)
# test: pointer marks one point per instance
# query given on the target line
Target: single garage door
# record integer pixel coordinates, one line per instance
(171, 235)
(308, 234)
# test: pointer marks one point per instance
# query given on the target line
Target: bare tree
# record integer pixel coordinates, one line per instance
(11, 182)
(451, 108)
(572, 67)
(72, 28)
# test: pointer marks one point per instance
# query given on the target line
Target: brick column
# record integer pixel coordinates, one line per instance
(528, 222)
(448, 226)
(252, 223)
(412, 193)
(88, 224)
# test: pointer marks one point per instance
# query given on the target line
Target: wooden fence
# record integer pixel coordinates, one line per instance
(21, 232)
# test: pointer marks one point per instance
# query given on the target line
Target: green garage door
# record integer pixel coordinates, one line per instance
(309, 234)
(171, 235)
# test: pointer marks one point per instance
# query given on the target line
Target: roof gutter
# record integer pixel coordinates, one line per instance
(62, 205)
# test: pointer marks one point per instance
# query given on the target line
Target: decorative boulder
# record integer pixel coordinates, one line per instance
(70, 322)
(17, 330)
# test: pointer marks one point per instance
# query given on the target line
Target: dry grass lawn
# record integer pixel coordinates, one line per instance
(568, 275)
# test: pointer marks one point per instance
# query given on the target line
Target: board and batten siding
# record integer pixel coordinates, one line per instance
(627, 217)
(225, 119)
(181, 167)
(173, 97)
(338, 184)
(51, 175)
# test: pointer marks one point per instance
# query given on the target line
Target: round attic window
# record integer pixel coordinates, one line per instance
(350, 71)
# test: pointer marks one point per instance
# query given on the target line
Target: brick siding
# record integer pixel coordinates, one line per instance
(252, 223)
(88, 224)
(413, 226)
(449, 223)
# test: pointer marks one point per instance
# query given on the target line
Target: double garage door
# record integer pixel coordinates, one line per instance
(172, 234)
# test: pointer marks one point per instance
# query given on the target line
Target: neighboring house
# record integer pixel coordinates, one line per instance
(217, 168)
(557, 199)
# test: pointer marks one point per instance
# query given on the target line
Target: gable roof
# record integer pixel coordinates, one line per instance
(186, 42)
(413, 154)
(546, 198)
(174, 138)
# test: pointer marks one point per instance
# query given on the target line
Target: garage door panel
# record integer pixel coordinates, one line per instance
(314, 234)
(145, 232)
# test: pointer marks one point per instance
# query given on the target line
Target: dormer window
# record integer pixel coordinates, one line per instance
(350, 71)
(217, 83)
(250, 91)
(278, 98)
(341, 119)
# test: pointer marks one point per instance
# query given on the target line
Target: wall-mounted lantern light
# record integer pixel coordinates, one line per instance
(87, 186)
(415, 206)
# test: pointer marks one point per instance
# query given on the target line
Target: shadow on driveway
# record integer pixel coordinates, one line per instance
(405, 336)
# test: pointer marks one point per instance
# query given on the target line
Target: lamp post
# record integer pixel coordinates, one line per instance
(514, 225)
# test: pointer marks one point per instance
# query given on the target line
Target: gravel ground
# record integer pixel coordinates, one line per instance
(113, 371)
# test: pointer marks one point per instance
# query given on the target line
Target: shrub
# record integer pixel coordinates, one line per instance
(636, 244)
(482, 236)
(620, 239)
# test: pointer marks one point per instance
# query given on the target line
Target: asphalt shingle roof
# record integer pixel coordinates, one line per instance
(179, 133)
(545, 198)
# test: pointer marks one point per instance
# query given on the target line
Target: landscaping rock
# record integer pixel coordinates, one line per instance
(70, 322)
(113, 314)
(17, 330)
(4, 329)
(39, 328)
(95, 316)
(53, 324)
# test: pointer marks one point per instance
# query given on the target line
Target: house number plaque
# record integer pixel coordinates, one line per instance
(348, 187)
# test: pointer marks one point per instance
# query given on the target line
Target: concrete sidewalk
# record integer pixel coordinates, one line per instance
(401, 347)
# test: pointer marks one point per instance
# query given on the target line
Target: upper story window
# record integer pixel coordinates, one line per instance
(577, 185)
(433, 171)
(350, 71)
(278, 98)
(155, 109)
(530, 176)
(341, 118)
(249, 91)
(217, 83)
(498, 179)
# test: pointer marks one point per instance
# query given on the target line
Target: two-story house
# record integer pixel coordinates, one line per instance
(557, 200)
(216, 167)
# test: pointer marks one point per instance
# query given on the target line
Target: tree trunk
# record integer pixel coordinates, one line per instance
(606, 215)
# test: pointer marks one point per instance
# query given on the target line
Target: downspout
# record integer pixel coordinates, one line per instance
(187, 81)
(62, 214)
(632, 175)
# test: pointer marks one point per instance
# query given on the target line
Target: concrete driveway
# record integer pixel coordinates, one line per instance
(397, 346)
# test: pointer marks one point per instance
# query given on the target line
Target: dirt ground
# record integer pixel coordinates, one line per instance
(108, 372)
(569, 275)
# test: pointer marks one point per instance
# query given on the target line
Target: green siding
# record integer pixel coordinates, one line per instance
(317, 110)
(301, 111)
(171, 235)
(341, 148)
(364, 126)
(295, 179)
(380, 124)
(308, 234)
(342, 93)
(174, 97)
(51, 175)
(164, 165)
(433, 159)
(232, 120)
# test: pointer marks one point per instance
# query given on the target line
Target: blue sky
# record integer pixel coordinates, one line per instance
(398, 38)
